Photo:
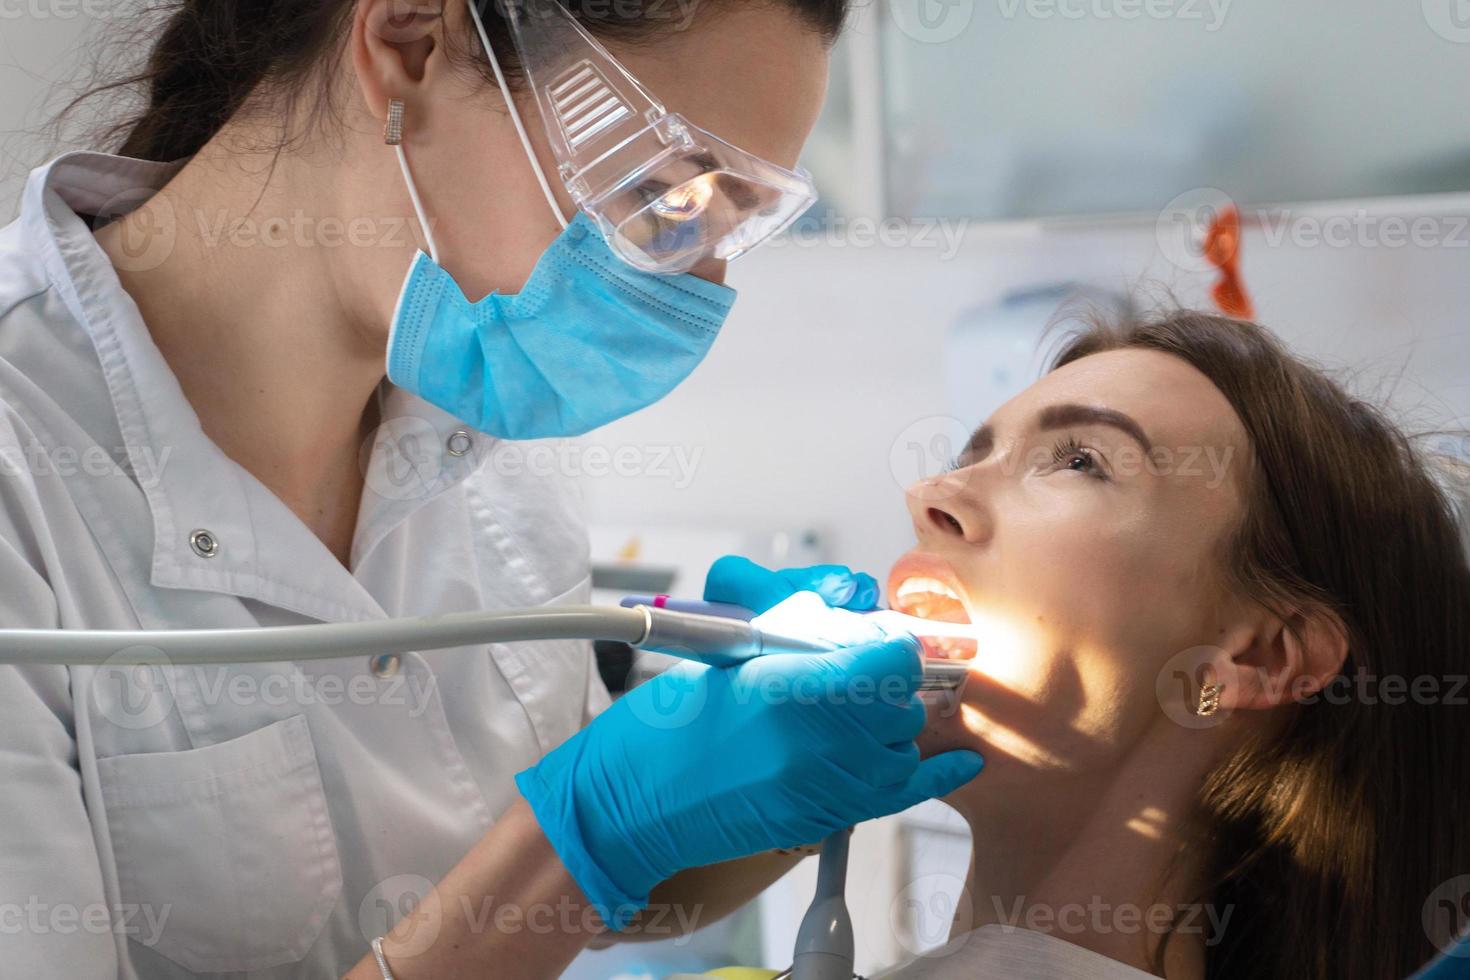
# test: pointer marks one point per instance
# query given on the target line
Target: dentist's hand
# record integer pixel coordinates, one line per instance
(702, 765)
(741, 581)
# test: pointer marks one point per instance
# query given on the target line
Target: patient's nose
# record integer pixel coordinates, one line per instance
(947, 507)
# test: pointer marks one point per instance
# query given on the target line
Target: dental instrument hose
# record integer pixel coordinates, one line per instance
(706, 639)
(824, 949)
(718, 641)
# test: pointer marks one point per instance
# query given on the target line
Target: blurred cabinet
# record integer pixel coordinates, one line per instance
(1022, 109)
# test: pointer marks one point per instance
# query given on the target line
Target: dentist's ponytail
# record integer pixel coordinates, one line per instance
(208, 59)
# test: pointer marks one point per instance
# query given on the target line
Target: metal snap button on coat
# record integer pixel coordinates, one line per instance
(459, 442)
(204, 543)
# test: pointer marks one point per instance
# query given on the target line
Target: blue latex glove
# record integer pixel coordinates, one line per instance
(701, 765)
(742, 582)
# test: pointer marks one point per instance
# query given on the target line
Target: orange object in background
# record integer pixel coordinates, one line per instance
(1222, 248)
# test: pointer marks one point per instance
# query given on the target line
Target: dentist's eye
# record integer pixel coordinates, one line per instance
(651, 191)
(1072, 455)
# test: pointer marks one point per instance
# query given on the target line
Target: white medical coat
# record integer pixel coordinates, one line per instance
(174, 821)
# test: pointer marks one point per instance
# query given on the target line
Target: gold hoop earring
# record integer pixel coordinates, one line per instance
(393, 129)
(1209, 700)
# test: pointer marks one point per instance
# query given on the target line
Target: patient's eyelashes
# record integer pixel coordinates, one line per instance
(1073, 455)
(1067, 451)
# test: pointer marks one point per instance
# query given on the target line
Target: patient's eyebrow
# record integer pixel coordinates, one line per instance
(1070, 413)
(1058, 417)
(979, 445)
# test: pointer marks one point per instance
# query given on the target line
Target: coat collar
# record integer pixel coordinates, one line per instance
(261, 550)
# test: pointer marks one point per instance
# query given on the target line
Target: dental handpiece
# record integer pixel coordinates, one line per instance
(939, 675)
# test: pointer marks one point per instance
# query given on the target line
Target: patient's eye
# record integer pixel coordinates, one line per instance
(1072, 455)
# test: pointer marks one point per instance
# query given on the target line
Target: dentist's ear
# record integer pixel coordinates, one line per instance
(391, 44)
(1281, 659)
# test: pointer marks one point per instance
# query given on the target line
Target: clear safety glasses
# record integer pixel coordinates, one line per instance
(665, 193)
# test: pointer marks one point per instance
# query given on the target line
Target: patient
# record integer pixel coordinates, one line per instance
(1225, 622)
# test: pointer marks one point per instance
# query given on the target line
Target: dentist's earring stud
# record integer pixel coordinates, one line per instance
(1209, 700)
(393, 129)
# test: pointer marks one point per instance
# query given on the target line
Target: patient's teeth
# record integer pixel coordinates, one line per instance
(932, 585)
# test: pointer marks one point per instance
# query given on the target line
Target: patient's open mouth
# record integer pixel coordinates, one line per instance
(935, 600)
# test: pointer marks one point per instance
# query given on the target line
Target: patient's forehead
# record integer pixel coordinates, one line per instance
(1174, 402)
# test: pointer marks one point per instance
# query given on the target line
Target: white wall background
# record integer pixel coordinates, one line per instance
(44, 56)
(1064, 109)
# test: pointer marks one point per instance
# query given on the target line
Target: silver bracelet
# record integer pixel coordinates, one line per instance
(382, 961)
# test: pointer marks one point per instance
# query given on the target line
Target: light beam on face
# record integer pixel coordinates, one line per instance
(994, 645)
(1006, 650)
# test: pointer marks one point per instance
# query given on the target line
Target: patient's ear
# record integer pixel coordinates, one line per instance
(1279, 659)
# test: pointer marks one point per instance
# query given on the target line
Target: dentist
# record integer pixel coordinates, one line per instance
(255, 369)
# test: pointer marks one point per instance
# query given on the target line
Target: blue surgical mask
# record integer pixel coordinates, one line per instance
(588, 340)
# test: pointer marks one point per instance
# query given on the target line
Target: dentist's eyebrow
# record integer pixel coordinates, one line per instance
(1058, 417)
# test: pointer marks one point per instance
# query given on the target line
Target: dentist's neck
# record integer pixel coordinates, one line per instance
(270, 310)
(1095, 860)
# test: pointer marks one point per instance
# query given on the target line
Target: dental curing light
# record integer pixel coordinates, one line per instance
(939, 674)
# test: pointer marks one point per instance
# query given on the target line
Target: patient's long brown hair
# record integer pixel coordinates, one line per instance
(1327, 841)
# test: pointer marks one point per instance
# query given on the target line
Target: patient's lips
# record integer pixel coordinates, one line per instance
(927, 588)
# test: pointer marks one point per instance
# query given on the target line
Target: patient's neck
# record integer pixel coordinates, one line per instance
(1096, 860)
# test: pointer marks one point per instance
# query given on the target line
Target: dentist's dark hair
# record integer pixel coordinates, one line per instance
(208, 58)
(1329, 841)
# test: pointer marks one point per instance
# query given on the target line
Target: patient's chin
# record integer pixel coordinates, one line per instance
(949, 727)
(1010, 754)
